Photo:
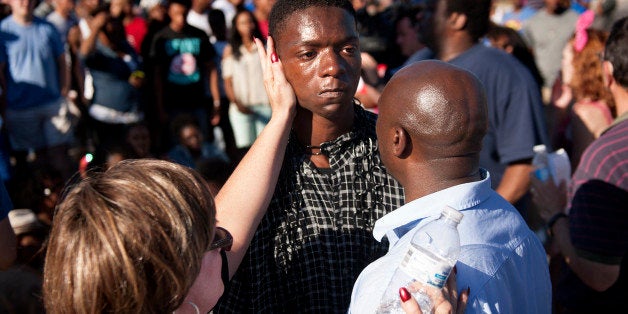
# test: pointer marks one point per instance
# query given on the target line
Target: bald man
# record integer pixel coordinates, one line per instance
(433, 117)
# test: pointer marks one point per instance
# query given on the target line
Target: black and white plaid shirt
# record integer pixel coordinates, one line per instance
(317, 237)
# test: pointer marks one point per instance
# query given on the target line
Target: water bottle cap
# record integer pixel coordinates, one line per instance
(539, 148)
(452, 214)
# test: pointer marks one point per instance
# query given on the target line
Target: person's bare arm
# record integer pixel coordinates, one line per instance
(212, 72)
(596, 275)
(243, 200)
(229, 90)
(97, 23)
(516, 181)
(8, 244)
(64, 74)
(552, 200)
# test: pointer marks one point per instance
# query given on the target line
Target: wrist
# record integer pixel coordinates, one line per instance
(552, 221)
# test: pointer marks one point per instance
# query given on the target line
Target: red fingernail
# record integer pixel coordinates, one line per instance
(273, 57)
(404, 294)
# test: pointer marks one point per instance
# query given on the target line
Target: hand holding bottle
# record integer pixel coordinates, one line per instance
(446, 301)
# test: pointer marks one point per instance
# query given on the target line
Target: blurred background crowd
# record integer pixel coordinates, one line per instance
(181, 81)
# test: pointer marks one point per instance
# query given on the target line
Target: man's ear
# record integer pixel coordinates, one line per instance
(402, 144)
(457, 21)
(607, 74)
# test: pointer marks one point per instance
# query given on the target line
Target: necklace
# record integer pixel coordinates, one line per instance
(310, 147)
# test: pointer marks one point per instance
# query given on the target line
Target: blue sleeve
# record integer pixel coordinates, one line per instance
(5, 202)
(522, 123)
(55, 41)
(3, 47)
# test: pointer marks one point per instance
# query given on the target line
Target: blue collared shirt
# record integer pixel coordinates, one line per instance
(501, 259)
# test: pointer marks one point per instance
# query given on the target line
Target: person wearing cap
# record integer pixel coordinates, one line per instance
(7, 237)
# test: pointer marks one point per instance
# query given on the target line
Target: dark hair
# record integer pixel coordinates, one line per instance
(617, 51)
(186, 3)
(181, 121)
(520, 49)
(283, 9)
(235, 39)
(218, 24)
(477, 12)
(407, 11)
(103, 7)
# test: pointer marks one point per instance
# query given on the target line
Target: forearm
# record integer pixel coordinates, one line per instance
(89, 45)
(64, 74)
(243, 200)
(515, 182)
(213, 84)
(596, 275)
(229, 89)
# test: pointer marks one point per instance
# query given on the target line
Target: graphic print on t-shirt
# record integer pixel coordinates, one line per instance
(183, 69)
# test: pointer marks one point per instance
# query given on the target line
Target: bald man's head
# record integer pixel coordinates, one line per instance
(431, 110)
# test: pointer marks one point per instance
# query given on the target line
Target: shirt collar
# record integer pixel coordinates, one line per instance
(617, 121)
(463, 196)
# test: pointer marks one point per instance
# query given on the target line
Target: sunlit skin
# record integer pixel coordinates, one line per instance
(320, 52)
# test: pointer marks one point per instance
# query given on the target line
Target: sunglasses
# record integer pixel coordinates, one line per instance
(222, 240)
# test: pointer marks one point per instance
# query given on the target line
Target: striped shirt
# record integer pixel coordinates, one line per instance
(316, 236)
(598, 220)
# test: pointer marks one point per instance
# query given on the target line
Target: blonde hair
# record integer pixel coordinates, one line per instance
(128, 240)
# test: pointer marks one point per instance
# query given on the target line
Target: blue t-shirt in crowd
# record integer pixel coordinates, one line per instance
(515, 109)
(30, 53)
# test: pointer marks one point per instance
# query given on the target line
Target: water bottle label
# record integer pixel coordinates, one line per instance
(542, 174)
(425, 266)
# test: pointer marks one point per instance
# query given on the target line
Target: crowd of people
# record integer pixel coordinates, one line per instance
(299, 144)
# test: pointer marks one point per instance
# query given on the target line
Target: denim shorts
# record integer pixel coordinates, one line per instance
(40, 127)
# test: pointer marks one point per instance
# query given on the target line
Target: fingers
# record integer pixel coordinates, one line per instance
(451, 289)
(264, 61)
(461, 305)
(408, 303)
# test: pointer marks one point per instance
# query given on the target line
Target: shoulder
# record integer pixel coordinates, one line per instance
(606, 154)
(228, 52)
(490, 63)
(194, 31)
(43, 24)
(162, 33)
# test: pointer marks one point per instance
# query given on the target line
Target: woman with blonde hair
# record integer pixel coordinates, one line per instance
(142, 236)
(585, 108)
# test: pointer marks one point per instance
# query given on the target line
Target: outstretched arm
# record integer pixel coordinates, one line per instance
(242, 201)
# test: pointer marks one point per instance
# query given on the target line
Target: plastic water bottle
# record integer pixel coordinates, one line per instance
(433, 252)
(540, 163)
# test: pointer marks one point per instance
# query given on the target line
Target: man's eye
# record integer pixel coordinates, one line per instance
(307, 55)
(350, 50)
